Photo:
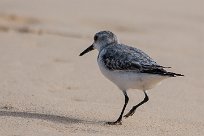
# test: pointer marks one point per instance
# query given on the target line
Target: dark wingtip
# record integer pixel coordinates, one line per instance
(163, 66)
(166, 67)
(173, 74)
(179, 75)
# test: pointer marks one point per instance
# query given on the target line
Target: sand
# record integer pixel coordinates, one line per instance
(47, 89)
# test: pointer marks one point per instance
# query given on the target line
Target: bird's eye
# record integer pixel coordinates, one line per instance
(95, 38)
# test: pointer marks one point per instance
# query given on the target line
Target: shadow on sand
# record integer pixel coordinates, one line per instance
(47, 117)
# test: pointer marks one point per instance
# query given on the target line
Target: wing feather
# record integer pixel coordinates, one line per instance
(125, 58)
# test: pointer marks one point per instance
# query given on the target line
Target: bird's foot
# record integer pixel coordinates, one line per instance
(118, 122)
(130, 113)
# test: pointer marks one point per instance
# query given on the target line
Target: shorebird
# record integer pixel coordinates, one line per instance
(127, 67)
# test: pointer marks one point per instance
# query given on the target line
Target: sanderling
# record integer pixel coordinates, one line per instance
(127, 67)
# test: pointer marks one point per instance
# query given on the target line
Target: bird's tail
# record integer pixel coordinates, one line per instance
(171, 74)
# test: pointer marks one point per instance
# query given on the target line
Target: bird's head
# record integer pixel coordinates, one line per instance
(102, 39)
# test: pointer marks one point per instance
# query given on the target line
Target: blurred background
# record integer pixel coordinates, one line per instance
(45, 85)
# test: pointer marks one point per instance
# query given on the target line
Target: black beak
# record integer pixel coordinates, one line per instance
(90, 48)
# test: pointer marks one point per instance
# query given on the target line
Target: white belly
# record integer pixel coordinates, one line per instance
(131, 80)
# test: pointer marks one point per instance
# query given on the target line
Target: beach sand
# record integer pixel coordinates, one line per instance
(47, 89)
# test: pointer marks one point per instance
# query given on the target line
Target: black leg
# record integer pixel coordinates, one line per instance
(132, 111)
(119, 120)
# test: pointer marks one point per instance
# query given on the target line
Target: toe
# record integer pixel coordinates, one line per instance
(114, 123)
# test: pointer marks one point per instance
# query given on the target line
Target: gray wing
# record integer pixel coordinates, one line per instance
(125, 58)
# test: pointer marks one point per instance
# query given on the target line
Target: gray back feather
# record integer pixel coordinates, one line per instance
(122, 57)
